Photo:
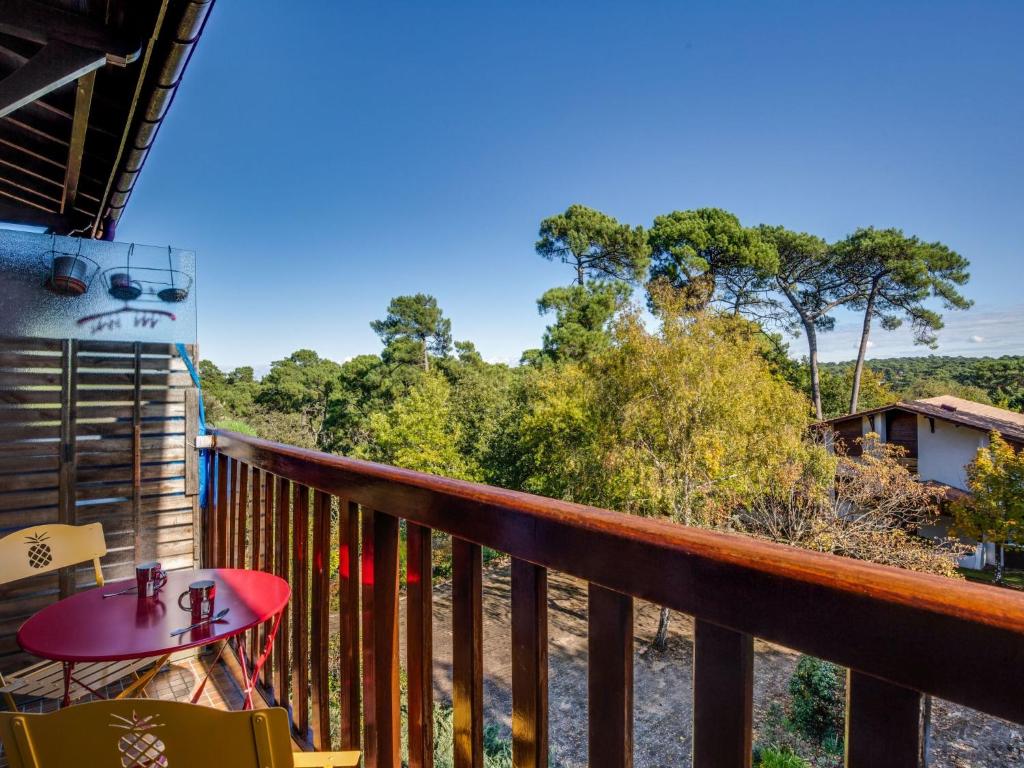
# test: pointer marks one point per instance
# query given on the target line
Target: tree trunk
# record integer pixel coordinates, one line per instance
(812, 344)
(661, 636)
(1000, 563)
(869, 310)
(581, 273)
(812, 356)
(426, 357)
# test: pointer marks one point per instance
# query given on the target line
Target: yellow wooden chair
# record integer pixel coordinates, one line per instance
(147, 733)
(44, 549)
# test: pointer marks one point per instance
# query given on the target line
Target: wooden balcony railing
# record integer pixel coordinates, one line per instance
(900, 633)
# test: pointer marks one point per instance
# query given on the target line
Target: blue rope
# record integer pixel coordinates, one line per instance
(204, 458)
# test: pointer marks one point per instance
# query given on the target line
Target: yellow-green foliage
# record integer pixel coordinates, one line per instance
(995, 513)
(420, 431)
(686, 421)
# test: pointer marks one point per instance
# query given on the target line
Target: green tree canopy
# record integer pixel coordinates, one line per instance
(812, 286)
(227, 393)
(302, 383)
(995, 512)
(835, 390)
(991, 380)
(924, 388)
(656, 424)
(595, 244)
(583, 315)
(480, 398)
(709, 256)
(366, 385)
(894, 275)
(414, 329)
(421, 431)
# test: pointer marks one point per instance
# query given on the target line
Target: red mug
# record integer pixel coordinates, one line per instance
(200, 596)
(149, 579)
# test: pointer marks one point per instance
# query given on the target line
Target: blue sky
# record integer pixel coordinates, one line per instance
(322, 157)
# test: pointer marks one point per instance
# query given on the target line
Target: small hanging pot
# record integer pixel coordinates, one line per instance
(122, 287)
(177, 291)
(173, 295)
(69, 275)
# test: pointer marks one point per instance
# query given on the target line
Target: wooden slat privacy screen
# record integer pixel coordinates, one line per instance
(93, 431)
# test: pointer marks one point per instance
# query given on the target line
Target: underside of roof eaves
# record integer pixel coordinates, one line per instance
(80, 185)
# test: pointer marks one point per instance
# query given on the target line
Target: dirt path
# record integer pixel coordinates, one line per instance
(962, 738)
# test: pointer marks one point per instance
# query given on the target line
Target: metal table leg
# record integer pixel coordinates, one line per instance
(260, 661)
(69, 667)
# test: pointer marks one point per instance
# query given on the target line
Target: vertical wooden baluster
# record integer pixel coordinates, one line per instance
(419, 645)
(368, 603)
(380, 640)
(610, 678)
(467, 654)
(300, 611)
(723, 697)
(220, 526)
(529, 665)
(232, 529)
(256, 522)
(243, 515)
(282, 560)
(256, 634)
(348, 621)
(210, 514)
(67, 511)
(883, 723)
(144, 545)
(270, 566)
(320, 618)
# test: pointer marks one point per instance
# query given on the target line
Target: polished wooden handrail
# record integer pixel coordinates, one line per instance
(920, 632)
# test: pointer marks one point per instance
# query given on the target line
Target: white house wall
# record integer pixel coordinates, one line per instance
(944, 454)
(878, 428)
(976, 559)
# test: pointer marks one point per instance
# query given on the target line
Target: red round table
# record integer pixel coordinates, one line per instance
(87, 627)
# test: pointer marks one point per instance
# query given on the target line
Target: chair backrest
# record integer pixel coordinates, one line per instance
(45, 548)
(147, 733)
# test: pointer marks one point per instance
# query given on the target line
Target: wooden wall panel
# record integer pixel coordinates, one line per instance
(93, 431)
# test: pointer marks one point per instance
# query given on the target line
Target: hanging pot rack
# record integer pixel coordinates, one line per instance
(147, 284)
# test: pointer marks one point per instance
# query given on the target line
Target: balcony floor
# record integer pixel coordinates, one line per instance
(174, 683)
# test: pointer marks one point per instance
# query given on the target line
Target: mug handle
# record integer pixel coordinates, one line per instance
(161, 580)
(181, 597)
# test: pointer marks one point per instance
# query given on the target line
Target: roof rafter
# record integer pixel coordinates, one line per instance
(44, 24)
(57, 63)
(23, 214)
(83, 103)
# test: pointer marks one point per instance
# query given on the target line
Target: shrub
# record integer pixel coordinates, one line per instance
(497, 751)
(784, 757)
(236, 425)
(817, 703)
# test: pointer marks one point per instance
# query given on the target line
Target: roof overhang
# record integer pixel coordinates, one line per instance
(84, 87)
(960, 418)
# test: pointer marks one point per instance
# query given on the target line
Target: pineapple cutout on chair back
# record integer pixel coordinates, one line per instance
(140, 747)
(40, 554)
(45, 548)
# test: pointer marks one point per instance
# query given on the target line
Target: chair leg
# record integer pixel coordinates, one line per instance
(142, 681)
(11, 704)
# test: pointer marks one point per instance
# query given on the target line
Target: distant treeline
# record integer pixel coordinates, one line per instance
(992, 380)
